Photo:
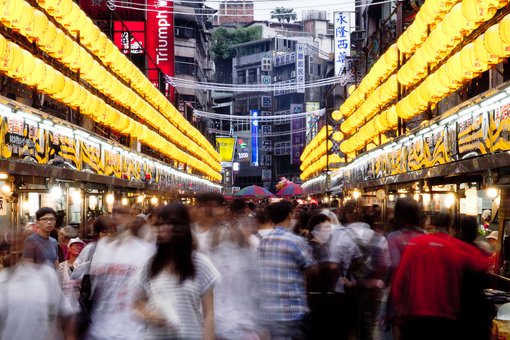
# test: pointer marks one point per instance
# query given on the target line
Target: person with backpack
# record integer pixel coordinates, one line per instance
(364, 258)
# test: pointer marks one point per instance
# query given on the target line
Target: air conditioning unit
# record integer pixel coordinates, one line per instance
(293, 74)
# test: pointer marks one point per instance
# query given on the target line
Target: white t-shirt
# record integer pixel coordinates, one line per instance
(203, 238)
(112, 269)
(235, 297)
(254, 239)
(30, 302)
(185, 298)
(70, 286)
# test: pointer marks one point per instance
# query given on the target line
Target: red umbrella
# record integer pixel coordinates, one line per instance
(254, 191)
(290, 190)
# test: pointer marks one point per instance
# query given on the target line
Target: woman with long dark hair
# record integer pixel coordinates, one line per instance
(175, 289)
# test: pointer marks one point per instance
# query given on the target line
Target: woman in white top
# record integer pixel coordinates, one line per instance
(70, 286)
(175, 289)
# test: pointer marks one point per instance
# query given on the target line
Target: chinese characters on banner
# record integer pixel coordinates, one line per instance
(342, 40)
(297, 126)
(300, 68)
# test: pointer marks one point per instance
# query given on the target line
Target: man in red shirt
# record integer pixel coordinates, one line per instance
(428, 283)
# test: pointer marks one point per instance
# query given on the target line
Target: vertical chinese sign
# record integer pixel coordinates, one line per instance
(342, 40)
(159, 39)
(300, 68)
(297, 139)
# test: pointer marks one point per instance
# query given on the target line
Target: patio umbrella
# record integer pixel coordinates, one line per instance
(290, 190)
(254, 191)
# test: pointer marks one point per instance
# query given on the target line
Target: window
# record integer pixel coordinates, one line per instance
(184, 65)
(241, 77)
(252, 76)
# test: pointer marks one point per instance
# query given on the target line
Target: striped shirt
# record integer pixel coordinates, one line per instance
(283, 257)
(184, 298)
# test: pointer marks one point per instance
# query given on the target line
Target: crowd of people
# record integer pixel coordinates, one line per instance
(239, 270)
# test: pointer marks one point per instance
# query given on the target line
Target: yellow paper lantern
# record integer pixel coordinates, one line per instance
(336, 115)
(494, 44)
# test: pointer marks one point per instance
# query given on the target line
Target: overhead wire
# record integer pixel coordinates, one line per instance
(149, 8)
(286, 117)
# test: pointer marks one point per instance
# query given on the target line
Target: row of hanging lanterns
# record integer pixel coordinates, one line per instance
(487, 50)
(19, 63)
(67, 13)
(315, 156)
(448, 23)
(29, 70)
(311, 151)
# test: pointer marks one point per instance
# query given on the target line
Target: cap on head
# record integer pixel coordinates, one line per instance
(493, 235)
(75, 240)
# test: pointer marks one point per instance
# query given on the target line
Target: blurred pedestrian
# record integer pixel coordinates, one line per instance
(264, 226)
(32, 305)
(426, 285)
(64, 235)
(283, 258)
(114, 262)
(209, 214)
(320, 231)
(495, 245)
(236, 310)
(174, 292)
(70, 286)
(477, 311)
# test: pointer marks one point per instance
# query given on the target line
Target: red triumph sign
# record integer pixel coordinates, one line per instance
(159, 40)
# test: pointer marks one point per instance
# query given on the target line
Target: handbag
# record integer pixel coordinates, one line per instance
(85, 300)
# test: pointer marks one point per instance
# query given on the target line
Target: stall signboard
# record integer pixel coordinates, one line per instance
(111, 163)
(472, 135)
(23, 141)
(30, 142)
(499, 128)
(64, 148)
(90, 155)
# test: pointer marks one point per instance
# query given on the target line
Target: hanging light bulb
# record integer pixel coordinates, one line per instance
(140, 199)
(110, 198)
(56, 192)
(154, 200)
(124, 201)
(492, 193)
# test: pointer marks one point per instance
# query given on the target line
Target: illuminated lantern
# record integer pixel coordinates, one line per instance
(481, 53)
(49, 35)
(35, 30)
(504, 30)
(24, 68)
(479, 10)
(63, 9)
(37, 75)
(57, 44)
(494, 44)
(22, 22)
(336, 115)
(10, 10)
(47, 82)
(338, 136)
(469, 60)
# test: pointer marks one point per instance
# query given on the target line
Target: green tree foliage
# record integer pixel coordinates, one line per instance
(224, 39)
(283, 14)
